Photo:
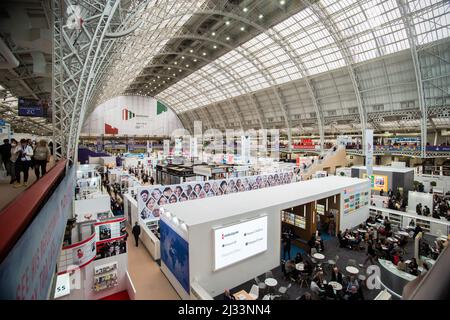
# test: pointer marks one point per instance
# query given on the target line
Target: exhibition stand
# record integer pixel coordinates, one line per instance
(385, 178)
(222, 242)
(402, 220)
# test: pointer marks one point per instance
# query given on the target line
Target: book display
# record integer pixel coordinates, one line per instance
(105, 277)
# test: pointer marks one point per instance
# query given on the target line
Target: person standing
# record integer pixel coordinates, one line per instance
(152, 181)
(41, 157)
(13, 160)
(136, 232)
(5, 153)
(24, 153)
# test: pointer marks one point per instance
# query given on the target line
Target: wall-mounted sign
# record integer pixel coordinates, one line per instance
(62, 287)
(239, 241)
(77, 255)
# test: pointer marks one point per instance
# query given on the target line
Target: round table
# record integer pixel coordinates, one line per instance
(271, 282)
(318, 256)
(352, 270)
(392, 239)
(350, 237)
(300, 267)
(336, 285)
(362, 231)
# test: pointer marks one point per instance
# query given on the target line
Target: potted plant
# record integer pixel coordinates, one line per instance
(433, 184)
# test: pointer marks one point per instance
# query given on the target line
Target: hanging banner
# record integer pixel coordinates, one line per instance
(368, 145)
(193, 150)
(77, 255)
(166, 148)
(178, 147)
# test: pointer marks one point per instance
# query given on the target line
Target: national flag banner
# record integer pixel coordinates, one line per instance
(110, 129)
(160, 108)
(127, 114)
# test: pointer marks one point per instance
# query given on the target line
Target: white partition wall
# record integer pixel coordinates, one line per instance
(231, 214)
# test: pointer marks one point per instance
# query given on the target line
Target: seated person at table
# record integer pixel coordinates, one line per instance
(379, 216)
(307, 267)
(291, 271)
(319, 242)
(227, 295)
(298, 258)
(312, 243)
(417, 230)
(355, 242)
(395, 258)
(342, 240)
(329, 293)
(353, 294)
(352, 281)
(370, 220)
(336, 275)
(413, 267)
(387, 225)
(305, 296)
(319, 280)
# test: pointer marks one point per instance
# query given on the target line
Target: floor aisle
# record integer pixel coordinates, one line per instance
(149, 282)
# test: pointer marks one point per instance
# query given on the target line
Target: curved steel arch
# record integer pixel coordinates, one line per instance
(412, 39)
(321, 13)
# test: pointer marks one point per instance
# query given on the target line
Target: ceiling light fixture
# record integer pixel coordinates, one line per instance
(187, 66)
(228, 38)
(242, 29)
(245, 9)
(227, 23)
(175, 62)
(191, 51)
(204, 53)
(213, 34)
(182, 57)
(260, 16)
(168, 68)
(282, 2)
(195, 60)
(215, 47)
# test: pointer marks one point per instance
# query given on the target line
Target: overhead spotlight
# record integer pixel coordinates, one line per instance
(282, 2)
(204, 53)
(228, 38)
(180, 70)
(227, 23)
(182, 57)
(242, 29)
(187, 66)
(191, 51)
(168, 68)
(174, 74)
(154, 80)
(168, 78)
(260, 16)
(213, 34)
(175, 62)
(158, 77)
(245, 9)
(195, 60)
(215, 47)
(164, 81)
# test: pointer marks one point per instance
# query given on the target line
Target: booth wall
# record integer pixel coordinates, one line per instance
(354, 218)
(130, 287)
(95, 205)
(201, 251)
(442, 182)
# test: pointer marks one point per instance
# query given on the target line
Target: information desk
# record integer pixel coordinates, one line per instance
(393, 278)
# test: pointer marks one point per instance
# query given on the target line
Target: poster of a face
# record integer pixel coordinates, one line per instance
(151, 199)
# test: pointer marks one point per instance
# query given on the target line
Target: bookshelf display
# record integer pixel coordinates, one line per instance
(105, 276)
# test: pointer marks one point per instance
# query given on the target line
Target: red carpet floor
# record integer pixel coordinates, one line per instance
(122, 295)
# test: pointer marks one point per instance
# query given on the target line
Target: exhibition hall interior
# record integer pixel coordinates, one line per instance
(225, 150)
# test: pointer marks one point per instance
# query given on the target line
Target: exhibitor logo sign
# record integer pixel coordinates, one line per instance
(128, 115)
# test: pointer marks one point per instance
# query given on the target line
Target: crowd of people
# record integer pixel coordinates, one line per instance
(19, 157)
(140, 174)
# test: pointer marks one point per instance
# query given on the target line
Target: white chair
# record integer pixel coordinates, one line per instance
(254, 292)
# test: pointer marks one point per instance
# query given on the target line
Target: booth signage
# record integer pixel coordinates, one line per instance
(239, 241)
(368, 145)
(77, 255)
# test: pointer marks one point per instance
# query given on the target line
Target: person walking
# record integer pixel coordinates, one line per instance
(41, 157)
(24, 153)
(136, 232)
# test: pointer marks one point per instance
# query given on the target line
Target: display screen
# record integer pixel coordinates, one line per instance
(239, 241)
(32, 108)
(378, 182)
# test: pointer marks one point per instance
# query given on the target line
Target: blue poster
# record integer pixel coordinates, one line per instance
(175, 254)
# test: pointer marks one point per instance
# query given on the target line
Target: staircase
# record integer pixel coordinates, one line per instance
(331, 160)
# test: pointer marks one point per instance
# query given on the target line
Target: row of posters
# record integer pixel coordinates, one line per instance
(151, 199)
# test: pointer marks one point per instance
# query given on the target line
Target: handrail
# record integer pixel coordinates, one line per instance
(17, 215)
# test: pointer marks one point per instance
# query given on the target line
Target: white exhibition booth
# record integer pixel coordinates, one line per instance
(222, 242)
